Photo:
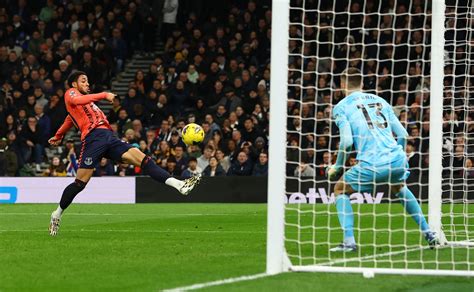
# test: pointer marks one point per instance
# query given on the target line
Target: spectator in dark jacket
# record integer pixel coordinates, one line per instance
(105, 168)
(261, 168)
(214, 168)
(44, 124)
(8, 159)
(31, 137)
(241, 166)
(119, 49)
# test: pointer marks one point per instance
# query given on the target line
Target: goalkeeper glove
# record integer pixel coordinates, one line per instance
(332, 172)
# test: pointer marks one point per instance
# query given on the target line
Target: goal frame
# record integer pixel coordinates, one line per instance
(277, 261)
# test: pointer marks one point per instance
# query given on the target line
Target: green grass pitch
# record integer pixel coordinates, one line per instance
(150, 247)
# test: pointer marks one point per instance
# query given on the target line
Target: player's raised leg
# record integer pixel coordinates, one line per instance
(138, 158)
(69, 193)
(412, 207)
(345, 215)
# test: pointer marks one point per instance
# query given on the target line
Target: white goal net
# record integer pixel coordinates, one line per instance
(417, 55)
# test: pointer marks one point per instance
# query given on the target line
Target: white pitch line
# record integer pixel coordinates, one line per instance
(123, 214)
(139, 231)
(218, 282)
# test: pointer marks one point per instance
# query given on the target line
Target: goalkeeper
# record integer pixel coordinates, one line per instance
(367, 121)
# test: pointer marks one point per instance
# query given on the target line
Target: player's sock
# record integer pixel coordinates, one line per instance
(58, 212)
(175, 183)
(154, 171)
(346, 218)
(159, 174)
(70, 193)
(408, 200)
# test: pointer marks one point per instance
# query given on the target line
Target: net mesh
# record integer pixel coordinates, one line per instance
(390, 42)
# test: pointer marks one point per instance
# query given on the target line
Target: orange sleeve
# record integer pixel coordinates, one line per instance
(75, 98)
(65, 127)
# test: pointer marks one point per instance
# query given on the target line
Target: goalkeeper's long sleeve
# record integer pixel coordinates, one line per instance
(345, 144)
(400, 132)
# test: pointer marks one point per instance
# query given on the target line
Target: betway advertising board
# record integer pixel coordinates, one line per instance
(115, 190)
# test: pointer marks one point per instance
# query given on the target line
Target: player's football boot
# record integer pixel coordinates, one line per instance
(54, 225)
(432, 239)
(190, 184)
(344, 248)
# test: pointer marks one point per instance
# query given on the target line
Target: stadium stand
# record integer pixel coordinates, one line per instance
(204, 66)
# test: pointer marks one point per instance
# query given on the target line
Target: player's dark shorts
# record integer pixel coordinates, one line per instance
(101, 143)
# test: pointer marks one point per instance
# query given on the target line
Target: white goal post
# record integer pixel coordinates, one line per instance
(299, 232)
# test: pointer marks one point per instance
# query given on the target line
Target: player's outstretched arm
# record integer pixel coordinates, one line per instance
(65, 127)
(88, 98)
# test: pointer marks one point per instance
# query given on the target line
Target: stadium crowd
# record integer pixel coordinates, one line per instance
(215, 71)
(212, 72)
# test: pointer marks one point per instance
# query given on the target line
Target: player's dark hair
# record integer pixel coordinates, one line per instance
(74, 76)
(352, 77)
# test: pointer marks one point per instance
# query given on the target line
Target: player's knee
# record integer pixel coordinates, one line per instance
(80, 184)
(339, 188)
(133, 156)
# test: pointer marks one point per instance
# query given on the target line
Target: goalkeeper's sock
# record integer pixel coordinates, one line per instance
(408, 200)
(154, 171)
(69, 194)
(346, 218)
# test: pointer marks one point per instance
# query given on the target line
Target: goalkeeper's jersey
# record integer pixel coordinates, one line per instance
(370, 118)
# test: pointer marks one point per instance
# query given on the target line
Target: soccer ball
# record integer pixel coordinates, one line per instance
(193, 134)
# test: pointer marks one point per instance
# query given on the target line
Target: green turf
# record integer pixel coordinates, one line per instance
(149, 247)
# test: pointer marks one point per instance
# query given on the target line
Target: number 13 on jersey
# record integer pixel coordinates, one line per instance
(377, 108)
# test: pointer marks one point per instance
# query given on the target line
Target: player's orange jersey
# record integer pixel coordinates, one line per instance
(83, 113)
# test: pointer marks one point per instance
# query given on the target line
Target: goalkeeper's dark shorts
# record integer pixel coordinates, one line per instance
(101, 143)
(364, 176)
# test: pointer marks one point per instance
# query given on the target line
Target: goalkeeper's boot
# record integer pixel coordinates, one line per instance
(343, 247)
(54, 225)
(432, 239)
(190, 184)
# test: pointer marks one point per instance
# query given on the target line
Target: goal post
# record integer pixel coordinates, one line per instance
(403, 56)
(277, 149)
(436, 117)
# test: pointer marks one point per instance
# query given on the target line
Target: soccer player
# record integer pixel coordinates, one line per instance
(99, 141)
(367, 121)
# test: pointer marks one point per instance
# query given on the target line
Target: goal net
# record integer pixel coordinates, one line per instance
(417, 55)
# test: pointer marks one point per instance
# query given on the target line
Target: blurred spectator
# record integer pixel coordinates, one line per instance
(469, 169)
(44, 124)
(170, 12)
(261, 167)
(203, 160)
(124, 169)
(171, 166)
(32, 140)
(179, 156)
(223, 160)
(213, 168)
(304, 170)
(56, 168)
(241, 166)
(193, 168)
(119, 49)
(105, 168)
(8, 159)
